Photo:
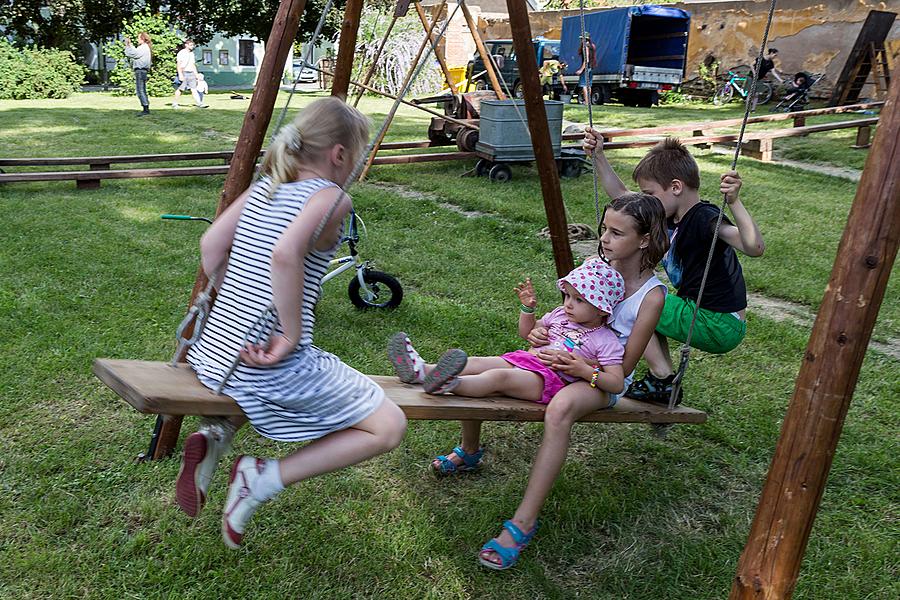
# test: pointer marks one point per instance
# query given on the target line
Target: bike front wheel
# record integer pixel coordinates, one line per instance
(386, 291)
(724, 95)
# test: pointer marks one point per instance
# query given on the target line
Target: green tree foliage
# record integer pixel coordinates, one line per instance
(62, 24)
(32, 73)
(201, 19)
(165, 47)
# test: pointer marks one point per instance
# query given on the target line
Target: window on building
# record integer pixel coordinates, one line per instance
(223, 57)
(245, 53)
(207, 57)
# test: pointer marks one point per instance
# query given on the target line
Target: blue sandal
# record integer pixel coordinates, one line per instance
(443, 466)
(509, 556)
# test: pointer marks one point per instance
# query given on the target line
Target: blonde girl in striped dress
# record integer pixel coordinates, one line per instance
(289, 389)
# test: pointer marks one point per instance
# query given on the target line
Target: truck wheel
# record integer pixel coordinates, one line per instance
(598, 95)
(648, 99)
(518, 90)
(501, 173)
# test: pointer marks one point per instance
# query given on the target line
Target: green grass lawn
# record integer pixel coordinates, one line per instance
(96, 273)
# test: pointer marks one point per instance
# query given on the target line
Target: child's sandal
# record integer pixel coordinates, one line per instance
(653, 389)
(509, 556)
(443, 466)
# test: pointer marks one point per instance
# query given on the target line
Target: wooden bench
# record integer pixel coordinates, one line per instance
(90, 180)
(159, 388)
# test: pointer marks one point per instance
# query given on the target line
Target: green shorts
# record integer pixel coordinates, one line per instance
(714, 332)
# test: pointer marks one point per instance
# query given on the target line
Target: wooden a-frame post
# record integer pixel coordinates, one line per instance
(770, 563)
(540, 136)
(243, 164)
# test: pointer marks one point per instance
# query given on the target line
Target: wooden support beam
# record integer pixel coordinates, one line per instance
(863, 137)
(438, 51)
(770, 563)
(482, 51)
(409, 75)
(346, 48)
(759, 149)
(243, 162)
(540, 136)
(371, 70)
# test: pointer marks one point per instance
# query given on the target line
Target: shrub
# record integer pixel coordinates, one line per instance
(165, 46)
(33, 73)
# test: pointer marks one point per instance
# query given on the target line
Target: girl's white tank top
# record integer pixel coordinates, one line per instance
(625, 314)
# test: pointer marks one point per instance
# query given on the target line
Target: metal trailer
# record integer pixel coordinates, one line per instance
(504, 140)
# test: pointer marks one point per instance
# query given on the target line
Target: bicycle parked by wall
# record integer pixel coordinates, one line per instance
(738, 81)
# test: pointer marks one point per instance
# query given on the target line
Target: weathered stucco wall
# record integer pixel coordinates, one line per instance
(810, 37)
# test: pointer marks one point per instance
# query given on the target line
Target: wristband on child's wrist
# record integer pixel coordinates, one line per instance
(527, 309)
(594, 377)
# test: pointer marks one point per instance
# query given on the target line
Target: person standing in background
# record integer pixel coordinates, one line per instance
(187, 74)
(142, 58)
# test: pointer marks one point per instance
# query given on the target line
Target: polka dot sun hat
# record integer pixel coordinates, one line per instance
(600, 284)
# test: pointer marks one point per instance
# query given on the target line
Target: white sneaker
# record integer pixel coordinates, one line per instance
(202, 451)
(407, 363)
(240, 503)
(174, 105)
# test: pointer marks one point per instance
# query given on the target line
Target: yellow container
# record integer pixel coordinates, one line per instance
(457, 74)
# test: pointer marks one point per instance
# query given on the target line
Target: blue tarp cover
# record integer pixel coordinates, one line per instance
(612, 32)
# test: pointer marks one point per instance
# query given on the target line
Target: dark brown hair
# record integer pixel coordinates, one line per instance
(669, 160)
(649, 218)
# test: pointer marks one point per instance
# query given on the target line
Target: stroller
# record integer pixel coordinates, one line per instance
(796, 97)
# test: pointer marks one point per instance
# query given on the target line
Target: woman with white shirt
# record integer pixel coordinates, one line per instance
(141, 57)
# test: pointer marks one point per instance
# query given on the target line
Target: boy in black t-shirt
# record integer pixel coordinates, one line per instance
(670, 173)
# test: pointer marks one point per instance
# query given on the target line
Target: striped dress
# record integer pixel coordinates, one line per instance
(311, 393)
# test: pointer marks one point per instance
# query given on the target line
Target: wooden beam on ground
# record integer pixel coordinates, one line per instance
(243, 162)
(482, 51)
(540, 136)
(770, 563)
(707, 125)
(346, 48)
(157, 387)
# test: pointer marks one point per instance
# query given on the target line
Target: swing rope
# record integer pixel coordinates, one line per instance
(264, 325)
(589, 79)
(748, 102)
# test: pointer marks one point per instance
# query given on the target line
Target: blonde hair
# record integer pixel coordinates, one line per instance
(318, 127)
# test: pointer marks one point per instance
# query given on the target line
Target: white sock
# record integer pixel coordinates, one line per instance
(269, 483)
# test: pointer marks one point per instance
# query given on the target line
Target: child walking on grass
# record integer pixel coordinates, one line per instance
(633, 240)
(289, 389)
(670, 173)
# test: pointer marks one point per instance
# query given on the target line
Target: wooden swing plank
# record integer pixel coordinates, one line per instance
(159, 388)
